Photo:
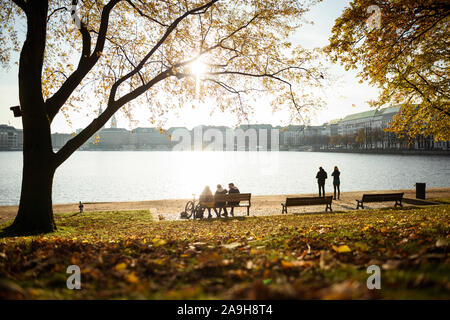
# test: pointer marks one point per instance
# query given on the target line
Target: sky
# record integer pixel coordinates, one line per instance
(345, 96)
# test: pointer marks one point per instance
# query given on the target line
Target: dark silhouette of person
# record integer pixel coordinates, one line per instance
(321, 177)
(232, 189)
(219, 191)
(336, 182)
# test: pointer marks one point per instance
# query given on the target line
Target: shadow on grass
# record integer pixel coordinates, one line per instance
(7, 230)
(227, 220)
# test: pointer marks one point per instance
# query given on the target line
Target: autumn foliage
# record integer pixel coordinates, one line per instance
(402, 48)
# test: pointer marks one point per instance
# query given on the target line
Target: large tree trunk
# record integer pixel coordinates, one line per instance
(35, 213)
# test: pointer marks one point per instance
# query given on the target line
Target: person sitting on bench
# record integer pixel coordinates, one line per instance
(207, 200)
(221, 190)
(232, 189)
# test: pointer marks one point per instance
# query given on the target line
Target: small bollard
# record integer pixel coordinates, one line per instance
(420, 190)
(81, 206)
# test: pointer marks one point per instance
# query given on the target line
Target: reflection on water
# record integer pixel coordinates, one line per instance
(135, 176)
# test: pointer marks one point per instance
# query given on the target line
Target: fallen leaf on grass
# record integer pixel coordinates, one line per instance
(267, 281)
(361, 246)
(158, 242)
(342, 249)
(391, 265)
(120, 266)
(232, 245)
(158, 262)
(132, 278)
(441, 243)
(296, 264)
(326, 260)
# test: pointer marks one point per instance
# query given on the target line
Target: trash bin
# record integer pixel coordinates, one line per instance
(420, 190)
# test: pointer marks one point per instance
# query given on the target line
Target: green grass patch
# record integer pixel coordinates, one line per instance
(126, 254)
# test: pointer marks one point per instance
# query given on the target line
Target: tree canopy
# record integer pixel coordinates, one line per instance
(163, 54)
(402, 47)
(126, 47)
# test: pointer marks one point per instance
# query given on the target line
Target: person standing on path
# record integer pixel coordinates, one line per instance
(336, 182)
(321, 177)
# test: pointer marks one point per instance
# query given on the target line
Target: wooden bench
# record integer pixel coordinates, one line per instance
(233, 200)
(307, 201)
(380, 197)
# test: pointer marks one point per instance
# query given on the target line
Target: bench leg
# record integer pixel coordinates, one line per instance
(360, 205)
(283, 209)
(248, 211)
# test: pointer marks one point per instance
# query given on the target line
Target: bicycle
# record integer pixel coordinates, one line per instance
(193, 209)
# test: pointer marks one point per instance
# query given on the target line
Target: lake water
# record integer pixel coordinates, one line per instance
(99, 176)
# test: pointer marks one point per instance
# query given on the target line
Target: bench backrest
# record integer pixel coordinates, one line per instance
(382, 197)
(304, 201)
(232, 197)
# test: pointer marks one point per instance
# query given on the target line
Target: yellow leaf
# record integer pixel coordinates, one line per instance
(131, 278)
(159, 262)
(120, 266)
(342, 249)
(287, 264)
(158, 242)
(361, 246)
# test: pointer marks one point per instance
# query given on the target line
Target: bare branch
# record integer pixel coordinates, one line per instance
(55, 11)
(86, 63)
(145, 15)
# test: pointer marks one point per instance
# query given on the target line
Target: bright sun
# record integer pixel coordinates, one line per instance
(198, 68)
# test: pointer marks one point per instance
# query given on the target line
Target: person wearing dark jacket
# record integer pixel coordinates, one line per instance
(321, 177)
(220, 191)
(232, 189)
(336, 182)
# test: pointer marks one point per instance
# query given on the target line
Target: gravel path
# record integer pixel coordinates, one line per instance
(261, 205)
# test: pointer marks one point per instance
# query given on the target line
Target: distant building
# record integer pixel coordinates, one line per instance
(292, 135)
(8, 138)
(364, 130)
(113, 138)
(19, 139)
(60, 139)
(149, 138)
(372, 119)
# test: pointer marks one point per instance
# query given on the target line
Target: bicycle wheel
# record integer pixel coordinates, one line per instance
(189, 209)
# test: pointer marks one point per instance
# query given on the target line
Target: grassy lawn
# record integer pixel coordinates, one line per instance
(308, 256)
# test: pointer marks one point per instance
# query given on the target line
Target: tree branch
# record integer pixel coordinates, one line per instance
(86, 63)
(169, 30)
(21, 4)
